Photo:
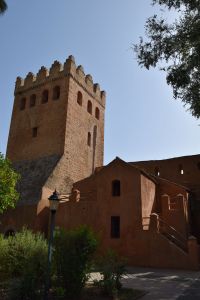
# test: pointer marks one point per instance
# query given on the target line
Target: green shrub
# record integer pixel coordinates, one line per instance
(23, 257)
(72, 259)
(4, 261)
(112, 268)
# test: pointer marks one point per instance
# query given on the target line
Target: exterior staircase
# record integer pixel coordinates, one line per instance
(172, 235)
(169, 232)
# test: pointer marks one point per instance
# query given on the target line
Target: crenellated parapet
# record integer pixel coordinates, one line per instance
(57, 71)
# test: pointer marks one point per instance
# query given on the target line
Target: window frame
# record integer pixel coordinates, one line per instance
(79, 99)
(32, 102)
(89, 107)
(116, 188)
(115, 227)
(45, 96)
(56, 92)
(34, 132)
(97, 113)
(23, 103)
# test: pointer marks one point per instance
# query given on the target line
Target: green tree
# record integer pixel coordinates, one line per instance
(3, 6)
(176, 46)
(8, 181)
(72, 257)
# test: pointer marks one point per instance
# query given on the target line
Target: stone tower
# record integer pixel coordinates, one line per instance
(57, 129)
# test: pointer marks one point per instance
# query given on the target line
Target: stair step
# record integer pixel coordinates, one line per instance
(175, 241)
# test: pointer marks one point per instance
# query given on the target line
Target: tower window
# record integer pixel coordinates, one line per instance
(89, 107)
(32, 100)
(34, 131)
(97, 113)
(23, 104)
(116, 188)
(56, 93)
(115, 227)
(89, 139)
(79, 98)
(45, 96)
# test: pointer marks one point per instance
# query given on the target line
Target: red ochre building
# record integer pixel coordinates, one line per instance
(148, 211)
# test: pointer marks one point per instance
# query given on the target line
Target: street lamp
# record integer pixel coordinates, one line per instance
(53, 205)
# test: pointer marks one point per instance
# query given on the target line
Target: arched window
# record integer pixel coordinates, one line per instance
(56, 92)
(32, 100)
(89, 107)
(79, 98)
(22, 103)
(89, 139)
(45, 96)
(116, 188)
(157, 171)
(97, 113)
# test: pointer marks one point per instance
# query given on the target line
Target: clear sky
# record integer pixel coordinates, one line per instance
(143, 122)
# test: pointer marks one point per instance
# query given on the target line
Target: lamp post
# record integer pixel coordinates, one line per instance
(53, 205)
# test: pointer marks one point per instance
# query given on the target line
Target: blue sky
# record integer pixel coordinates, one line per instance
(143, 122)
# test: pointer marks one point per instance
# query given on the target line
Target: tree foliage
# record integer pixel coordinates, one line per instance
(3, 6)
(112, 267)
(176, 46)
(23, 261)
(8, 180)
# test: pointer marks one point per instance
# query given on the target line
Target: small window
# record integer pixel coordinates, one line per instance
(45, 96)
(56, 93)
(80, 98)
(32, 100)
(180, 168)
(89, 139)
(116, 188)
(22, 103)
(115, 227)
(157, 171)
(89, 107)
(97, 113)
(34, 132)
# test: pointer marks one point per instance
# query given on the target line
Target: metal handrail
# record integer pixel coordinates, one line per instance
(175, 235)
(169, 226)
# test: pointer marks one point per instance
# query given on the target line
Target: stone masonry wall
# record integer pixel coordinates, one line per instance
(63, 126)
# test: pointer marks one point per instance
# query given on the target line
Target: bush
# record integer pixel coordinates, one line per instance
(4, 274)
(112, 268)
(72, 259)
(23, 257)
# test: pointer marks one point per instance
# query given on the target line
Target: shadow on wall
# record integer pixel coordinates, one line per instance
(42, 221)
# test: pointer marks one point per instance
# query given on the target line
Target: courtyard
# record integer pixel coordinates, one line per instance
(163, 284)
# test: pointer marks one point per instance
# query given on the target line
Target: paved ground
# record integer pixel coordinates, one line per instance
(161, 284)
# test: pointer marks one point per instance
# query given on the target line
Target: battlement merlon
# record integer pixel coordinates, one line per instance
(56, 71)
